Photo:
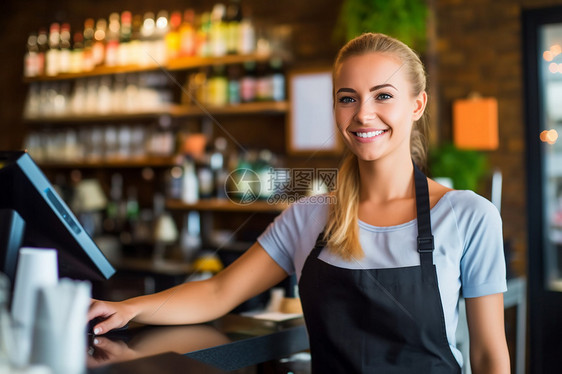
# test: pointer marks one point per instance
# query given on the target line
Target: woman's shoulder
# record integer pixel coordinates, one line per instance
(469, 203)
(309, 207)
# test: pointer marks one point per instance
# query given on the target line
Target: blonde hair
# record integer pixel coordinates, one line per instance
(342, 230)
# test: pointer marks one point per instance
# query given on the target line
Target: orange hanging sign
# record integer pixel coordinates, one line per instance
(475, 123)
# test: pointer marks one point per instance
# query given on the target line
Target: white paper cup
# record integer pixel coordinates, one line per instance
(59, 333)
(37, 267)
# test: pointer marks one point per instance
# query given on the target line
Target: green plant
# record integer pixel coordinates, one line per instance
(464, 167)
(403, 19)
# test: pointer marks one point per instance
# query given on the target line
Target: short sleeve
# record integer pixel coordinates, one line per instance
(292, 234)
(483, 268)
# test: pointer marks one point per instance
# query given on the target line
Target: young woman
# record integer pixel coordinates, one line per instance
(380, 269)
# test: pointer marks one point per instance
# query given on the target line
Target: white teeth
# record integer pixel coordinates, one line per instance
(369, 134)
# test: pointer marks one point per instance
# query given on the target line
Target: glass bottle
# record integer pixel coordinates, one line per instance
(30, 67)
(112, 40)
(248, 82)
(77, 53)
(162, 28)
(233, 19)
(42, 48)
(52, 55)
(187, 34)
(124, 56)
(218, 31)
(65, 44)
(88, 54)
(98, 48)
(173, 41)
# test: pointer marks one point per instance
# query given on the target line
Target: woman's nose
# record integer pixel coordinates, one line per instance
(366, 110)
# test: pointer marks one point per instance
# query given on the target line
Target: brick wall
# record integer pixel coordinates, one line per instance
(479, 48)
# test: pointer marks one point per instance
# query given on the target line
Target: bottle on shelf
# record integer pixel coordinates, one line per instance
(88, 37)
(246, 37)
(65, 44)
(124, 55)
(217, 162)
(190, 237)
(77, 53)
(31, 58)
(98, 47)
(165, 230)
(263, 83)
(233, 74)
(202, 44)
(217, 32)
(112, 40)
(248, 82)
(233, 19)
(128, 235)
(205, 179)
(52, 56)
(42, 48)
(113, 222)
(135, 43)
(190, 185)
(217, 87)
(173, 41)
(148, 31)
(277, 79)
(187, 34)
(162, 27)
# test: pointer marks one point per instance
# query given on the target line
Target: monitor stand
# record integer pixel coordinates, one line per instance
(12, 228)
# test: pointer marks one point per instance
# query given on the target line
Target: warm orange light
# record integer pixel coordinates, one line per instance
(475, 123)
(555, 49)
(553, 67)
(549, 136)
(547, 55)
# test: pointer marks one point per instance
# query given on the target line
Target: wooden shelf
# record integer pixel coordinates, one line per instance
(114, 163)
(183, 63)
(176, 111)
(104, 117)
(262, 107)
(225, 205)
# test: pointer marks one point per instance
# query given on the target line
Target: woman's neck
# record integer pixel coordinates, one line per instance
(386, 179)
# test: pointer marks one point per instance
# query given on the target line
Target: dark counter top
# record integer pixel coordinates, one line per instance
(222, 346)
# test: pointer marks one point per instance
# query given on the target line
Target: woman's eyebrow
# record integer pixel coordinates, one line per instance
(379, 86)
(346, 90)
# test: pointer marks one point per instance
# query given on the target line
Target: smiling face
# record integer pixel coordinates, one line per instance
(374, 105)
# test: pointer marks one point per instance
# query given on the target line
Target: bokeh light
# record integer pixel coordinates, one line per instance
(547, 55)
(549, 136)
(553, 67)
(555, 49)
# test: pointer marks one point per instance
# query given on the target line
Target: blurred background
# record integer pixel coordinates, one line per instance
(139, 112)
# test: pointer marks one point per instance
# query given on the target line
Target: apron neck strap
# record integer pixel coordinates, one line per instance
(425, 237)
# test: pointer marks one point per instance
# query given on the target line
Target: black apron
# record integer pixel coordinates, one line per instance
(377, 320)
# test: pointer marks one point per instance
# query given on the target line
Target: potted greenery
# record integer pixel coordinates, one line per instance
(465, 168)
(403, 19)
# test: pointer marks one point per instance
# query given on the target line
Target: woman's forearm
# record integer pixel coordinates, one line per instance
(192, 302)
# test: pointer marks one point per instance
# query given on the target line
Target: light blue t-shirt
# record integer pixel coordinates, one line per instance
(468, 255)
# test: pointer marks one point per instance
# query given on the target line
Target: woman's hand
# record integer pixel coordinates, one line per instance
(111, 314)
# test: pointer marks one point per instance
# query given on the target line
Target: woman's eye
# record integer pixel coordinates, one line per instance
(384, 96)
(346, 100)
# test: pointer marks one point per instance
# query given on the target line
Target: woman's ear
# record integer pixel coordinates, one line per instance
(419, 105)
